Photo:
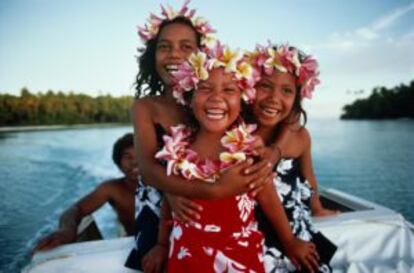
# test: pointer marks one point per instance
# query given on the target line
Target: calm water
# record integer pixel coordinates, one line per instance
(42, 173)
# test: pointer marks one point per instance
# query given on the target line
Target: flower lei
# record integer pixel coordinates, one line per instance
(238, 144)
(198, 65)
(150, 30)
(285, 58)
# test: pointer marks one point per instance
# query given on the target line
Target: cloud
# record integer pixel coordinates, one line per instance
(387, 20)
(377, 54)
(371, 50)
(365, 35)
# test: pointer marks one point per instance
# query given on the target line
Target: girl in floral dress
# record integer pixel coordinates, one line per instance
(225, 238)
(286, 77)
(169, 39)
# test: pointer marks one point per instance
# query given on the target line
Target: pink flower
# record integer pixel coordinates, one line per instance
(209, 169)
(185, 80)
(174, 148)
(308, 69)
(308, 87)
(287, 58)
(150, 30)
(240, 138)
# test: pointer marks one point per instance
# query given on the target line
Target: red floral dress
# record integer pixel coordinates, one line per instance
(226, 238)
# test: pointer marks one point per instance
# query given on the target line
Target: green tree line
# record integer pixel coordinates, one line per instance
(383, 103)
(52, 108)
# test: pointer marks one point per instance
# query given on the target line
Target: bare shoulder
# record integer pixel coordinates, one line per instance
(143, 104)
(303, 137)
(109, 186)
(148, 106)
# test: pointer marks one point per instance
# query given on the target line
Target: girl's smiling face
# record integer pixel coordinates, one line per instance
(216, 103)
(275, 95)
(175, 44)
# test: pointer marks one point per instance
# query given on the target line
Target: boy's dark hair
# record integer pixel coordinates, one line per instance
(148, 82)
(120, 146)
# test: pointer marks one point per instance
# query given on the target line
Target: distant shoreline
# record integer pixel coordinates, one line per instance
(30, 128)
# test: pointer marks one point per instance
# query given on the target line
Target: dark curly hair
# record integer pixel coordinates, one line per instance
(148, 82)
(123, 143)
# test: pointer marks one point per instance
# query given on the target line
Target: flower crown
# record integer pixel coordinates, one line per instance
(150, 30)
(198, 65)
(285, 58)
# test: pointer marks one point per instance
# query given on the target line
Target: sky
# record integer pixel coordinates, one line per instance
(91, 46)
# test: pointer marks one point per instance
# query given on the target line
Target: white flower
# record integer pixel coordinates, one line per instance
(284, 166)
(283, 188)
(184, 252)
(245, 206)
(304, 189)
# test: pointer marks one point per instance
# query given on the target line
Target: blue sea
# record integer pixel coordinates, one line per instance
(43, 172)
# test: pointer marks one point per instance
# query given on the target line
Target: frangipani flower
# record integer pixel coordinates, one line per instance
(273, 62)
(183, 161)
(208, 41)
(151, 29)
(308, 87)
(244, 70)
(240, 138)
(198, 65)
(228, 59)
(229, 159)
(287, 59)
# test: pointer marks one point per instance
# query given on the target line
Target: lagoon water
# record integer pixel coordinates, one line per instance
(42, 173)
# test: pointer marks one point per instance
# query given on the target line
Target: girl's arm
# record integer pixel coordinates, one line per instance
(232, 182)
(300, 253)
(305, 162)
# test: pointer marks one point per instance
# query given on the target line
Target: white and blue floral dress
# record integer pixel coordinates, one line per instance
(295, 194)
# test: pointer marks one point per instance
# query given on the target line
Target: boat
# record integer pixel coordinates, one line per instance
(370, 238)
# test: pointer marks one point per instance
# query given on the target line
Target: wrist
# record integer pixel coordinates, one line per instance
(68, 235)
(288, 241)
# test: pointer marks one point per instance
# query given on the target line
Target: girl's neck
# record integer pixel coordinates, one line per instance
(208, 144)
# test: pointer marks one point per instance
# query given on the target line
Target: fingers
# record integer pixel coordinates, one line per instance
(192, 207)
(258, 176)
(259, 151)
(308, 266)
(42, 244)
(315, 253)
(48, 243)
(157, 268)
(147, 264)
(312, 261)
(187, 210)
(262, 164)
(296, 264)
(259, 186)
